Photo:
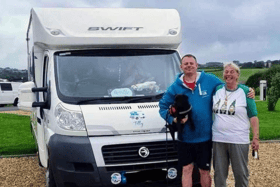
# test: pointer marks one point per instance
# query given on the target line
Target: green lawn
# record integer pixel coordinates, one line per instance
(269, 121)
(244, 75)
(15, 135)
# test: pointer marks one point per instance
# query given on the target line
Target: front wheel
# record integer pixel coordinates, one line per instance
(49, 177)
(15, 102)
(39, 161)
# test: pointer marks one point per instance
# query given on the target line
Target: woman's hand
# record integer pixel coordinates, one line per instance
(255, 144)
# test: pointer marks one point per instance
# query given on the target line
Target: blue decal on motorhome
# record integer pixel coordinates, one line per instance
(137, 117)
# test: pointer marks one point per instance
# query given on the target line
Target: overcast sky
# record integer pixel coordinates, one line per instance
(214, 31)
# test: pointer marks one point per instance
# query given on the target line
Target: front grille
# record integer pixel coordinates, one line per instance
(142, 166)
(128, 153)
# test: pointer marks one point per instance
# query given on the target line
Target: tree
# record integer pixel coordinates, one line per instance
(259, 64)
(248, 65)
(275, 62)
(236, 62)
(14, 75)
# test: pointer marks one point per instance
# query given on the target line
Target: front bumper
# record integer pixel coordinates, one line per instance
(74, 164)
(72, 161)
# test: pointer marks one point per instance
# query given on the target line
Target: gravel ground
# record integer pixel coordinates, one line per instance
(18, 112)
(21, 172)
(263, 173)
(25, 171)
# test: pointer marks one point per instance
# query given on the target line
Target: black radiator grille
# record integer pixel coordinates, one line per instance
(128, 153)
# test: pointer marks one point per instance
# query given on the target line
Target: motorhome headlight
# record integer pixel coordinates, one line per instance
(69, 120)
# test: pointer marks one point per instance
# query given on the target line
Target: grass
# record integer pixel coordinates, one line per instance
(244, 75)
(15, 135)
(269, 121)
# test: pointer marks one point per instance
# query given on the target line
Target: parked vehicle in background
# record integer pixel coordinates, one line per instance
(9, 93)
(96, 77)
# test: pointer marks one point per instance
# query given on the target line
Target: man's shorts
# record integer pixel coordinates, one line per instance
(199, 153)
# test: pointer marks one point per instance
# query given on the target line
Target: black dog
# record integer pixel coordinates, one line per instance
(180, 110)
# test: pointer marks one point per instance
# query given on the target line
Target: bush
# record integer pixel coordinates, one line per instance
(271, 100)
(272, 76)
(270, 73)
(257, 91)
(254, 80)
(274, 92)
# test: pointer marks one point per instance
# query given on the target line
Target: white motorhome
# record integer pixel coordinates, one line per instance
(96, 77)
(9, 93)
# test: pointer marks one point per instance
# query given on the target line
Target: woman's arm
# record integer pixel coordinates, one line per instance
(255, 130)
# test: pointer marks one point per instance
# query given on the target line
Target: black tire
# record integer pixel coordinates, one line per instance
(39, 161)
(50, 182)
(16, 102)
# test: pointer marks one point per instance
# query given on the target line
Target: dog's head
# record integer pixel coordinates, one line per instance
(181, 106)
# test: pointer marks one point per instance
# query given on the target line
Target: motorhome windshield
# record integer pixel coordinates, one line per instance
(114, 75)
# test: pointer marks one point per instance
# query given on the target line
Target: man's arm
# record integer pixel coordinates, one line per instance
(164, 104)
(251, 93)
(255, 130)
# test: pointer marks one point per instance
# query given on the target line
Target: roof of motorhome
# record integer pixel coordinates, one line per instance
(60, 28)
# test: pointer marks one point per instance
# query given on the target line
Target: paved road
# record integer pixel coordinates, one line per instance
(10, 108)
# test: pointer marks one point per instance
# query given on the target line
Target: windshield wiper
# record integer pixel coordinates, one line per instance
(98, 100)
(101, 100)
(153, 98)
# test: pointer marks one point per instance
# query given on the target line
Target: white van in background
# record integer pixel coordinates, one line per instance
(96, 77)
(9, 93)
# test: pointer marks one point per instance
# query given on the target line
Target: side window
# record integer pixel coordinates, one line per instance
(45, 76)
(6, 87)
(32, 65)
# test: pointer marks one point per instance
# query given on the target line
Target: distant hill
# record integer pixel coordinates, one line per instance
(15, 75)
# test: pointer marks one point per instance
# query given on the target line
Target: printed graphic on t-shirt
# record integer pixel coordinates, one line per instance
(222, 107)
(231, 110)
(216, 107)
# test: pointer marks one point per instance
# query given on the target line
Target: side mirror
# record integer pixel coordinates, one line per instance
(40, 104)
(27, 97)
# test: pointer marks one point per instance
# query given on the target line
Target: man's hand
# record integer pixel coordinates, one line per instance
(251, 93)
(255, 144)
(183, 121)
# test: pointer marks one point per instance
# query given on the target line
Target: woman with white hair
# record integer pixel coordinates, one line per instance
(233, 112)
